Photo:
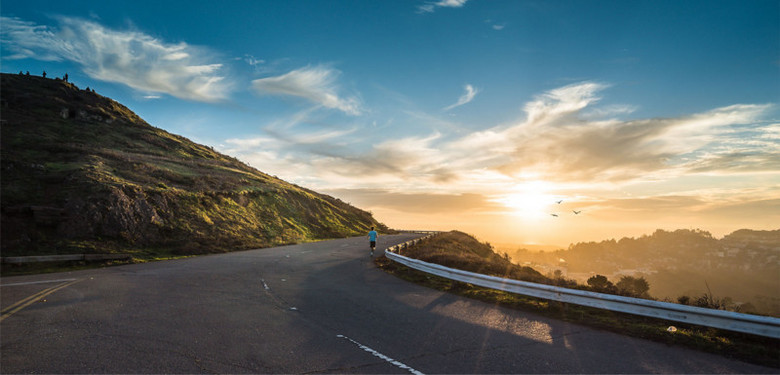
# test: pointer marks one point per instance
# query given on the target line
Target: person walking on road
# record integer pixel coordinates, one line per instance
(372, 235)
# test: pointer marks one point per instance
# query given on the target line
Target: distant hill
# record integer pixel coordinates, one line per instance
(745, 249)
(744, 265)
(83, 173)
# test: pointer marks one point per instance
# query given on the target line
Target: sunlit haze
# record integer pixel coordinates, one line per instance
(527, 122)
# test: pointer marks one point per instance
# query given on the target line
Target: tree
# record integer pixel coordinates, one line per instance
(600, 283)
(633, 287)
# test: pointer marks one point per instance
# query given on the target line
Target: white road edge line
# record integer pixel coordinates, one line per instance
(382, 356)
(38, 282)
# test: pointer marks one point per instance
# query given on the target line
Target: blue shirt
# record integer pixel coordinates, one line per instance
(372, 235)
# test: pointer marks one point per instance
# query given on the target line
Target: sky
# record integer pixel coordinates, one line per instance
(520, 122)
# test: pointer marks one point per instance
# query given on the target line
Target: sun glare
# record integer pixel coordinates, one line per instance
(529, 201)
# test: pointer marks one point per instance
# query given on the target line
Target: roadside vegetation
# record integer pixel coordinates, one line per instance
(461, 251)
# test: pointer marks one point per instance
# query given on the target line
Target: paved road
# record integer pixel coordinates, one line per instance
(312, 308)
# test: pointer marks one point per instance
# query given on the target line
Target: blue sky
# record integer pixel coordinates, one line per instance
(457, 114)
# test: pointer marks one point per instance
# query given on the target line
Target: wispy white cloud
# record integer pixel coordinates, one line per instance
(495, 25)
(609, 111)
(559, 103)
(424, 203)
(316, 84)
(131, 58)
(430, 6)
(467, 96)
(410, 159)
(559, 143)
(251, 60)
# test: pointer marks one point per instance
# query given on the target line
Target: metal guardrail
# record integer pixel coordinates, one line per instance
(419, 231)
(727, 320)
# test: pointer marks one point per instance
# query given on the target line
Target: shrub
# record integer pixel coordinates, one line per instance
(601, 284)
(633, 287)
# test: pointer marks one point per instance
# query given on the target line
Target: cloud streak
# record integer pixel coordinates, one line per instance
(416, 202)
(131, 58)
(467, 97)
(430, 7)
(315, 84)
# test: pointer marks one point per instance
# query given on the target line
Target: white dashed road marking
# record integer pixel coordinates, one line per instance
(382, 356)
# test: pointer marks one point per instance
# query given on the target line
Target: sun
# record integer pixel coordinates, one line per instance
(529, 200)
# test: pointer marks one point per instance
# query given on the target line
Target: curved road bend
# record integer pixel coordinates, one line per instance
(312, 308)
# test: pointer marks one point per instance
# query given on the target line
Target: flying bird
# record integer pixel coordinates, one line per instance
(556, 215)
(559, 202)
(576, 212)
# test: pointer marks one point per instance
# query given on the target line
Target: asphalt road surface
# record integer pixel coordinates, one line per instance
(313, 308)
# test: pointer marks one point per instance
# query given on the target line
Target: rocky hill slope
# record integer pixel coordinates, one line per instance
(82, 173)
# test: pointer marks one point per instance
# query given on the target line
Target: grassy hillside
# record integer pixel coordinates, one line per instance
(462, 251)
(82, 173)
